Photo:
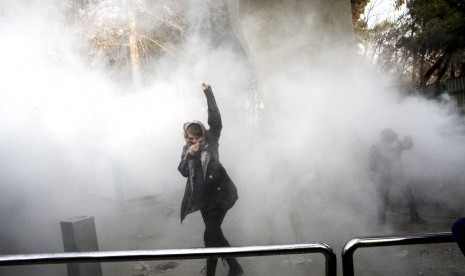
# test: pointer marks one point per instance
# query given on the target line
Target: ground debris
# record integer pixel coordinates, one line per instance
(141, 266)
(163, 267)
(297, 260)
(402, 253)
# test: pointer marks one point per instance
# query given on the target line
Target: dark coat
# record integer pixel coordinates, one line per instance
(219, 189)
(385, 157)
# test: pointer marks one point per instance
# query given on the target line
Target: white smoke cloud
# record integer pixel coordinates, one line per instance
(71, 137)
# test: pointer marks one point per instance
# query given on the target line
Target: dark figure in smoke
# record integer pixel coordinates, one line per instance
(209, 188)
(386, 164)
(458, 230)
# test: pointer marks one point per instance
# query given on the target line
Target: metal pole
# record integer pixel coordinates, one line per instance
(378, 241)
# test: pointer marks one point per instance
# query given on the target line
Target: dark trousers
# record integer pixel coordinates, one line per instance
(458, 230)
(384, 190)
(213, 236)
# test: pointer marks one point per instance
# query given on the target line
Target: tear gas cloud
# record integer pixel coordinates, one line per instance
(69, 131)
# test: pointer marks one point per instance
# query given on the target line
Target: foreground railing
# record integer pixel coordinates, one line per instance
(224, 252)
(353, 244)
(171, 254)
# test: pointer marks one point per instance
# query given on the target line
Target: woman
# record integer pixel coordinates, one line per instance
(208, 188)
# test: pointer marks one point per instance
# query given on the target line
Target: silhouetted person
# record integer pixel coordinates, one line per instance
(386, 164)
(208, 188)
(458, 230)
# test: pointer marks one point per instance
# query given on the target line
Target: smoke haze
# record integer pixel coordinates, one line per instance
(76, 141)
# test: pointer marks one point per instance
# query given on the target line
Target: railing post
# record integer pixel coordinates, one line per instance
(348, 257)
(353, 244)
(330, 261)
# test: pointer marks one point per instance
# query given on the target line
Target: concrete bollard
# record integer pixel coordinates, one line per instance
(79, 235)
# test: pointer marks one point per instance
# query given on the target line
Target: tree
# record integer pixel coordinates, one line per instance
(358, 8)
(438, 40)
(129, 34)
(423, 45)
(378, 43)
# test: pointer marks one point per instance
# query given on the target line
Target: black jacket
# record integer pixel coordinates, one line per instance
(218, 189)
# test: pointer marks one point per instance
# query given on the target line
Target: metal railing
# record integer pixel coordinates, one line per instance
(452, 86)
(172, 254)
(224, 252)
(354, 244)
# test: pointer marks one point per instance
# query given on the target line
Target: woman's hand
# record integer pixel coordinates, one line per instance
(194, 147)
(205, 85)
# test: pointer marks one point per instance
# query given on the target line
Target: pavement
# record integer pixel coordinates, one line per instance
(147, 223)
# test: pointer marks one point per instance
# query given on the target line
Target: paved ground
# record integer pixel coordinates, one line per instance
(153, 223)
(142, 230)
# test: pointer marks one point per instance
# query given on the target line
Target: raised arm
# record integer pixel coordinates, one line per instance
(407, 143)
(214, 117)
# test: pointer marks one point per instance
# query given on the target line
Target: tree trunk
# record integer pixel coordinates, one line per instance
(415, 62)
(422, 66)
(133, 48)
(431, 70)
(442, 72)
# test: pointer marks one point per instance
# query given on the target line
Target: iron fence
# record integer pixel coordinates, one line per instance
(454, 87)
